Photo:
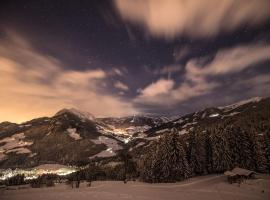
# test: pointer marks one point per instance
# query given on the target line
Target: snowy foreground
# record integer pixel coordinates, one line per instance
(210, 187)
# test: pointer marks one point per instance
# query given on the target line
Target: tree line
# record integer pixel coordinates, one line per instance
(213, 150)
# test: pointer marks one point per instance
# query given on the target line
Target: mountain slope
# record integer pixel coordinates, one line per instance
(252, 115)
(65, 138)
(74, 137)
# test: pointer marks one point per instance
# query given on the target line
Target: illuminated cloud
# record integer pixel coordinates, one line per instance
(156, 93)
(121, 86)
(231, 60)
(33, 84)
(197, 78)
(168, 69)
(195, 18)
(116, 71)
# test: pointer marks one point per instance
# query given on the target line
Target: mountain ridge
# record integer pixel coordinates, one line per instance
(72, 137)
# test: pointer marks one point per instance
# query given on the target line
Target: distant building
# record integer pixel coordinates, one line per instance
(239, 174)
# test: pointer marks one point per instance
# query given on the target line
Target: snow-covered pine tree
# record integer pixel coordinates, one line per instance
(145, 164)
(220, 150)
(242, 148)
(167, 161)
(259, 160)
(197, 152)
(266, 146)
(173, 158)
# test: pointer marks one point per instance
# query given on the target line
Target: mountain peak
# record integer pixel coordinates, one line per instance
(80, 114)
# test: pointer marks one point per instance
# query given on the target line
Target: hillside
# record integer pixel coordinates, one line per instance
(75, 137)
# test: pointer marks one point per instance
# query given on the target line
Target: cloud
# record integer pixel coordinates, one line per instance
(231, 60)
(204, 18)
(201, 78)
(156, 92)
(121, 86)
(181, 53)
(256, 86)
(168, 69)
(33, 84)
(117, 71)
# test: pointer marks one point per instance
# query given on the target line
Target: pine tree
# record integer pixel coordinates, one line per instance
(245, 149)
(197, 153)
(259, 162)
(220, 150)
(167, 162)
(266, 146)
(208, 153)
(146, 163)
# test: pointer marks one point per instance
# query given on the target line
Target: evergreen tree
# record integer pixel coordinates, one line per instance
(266, 147)
(166, 161)
(197, 152)
(208, 153)
(220, 150)
(259, 162)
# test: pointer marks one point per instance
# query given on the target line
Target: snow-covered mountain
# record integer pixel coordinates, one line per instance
(75, 137)
(240, 103)
(251, 114)
(80, 114)
(206, 116)
(70, 136)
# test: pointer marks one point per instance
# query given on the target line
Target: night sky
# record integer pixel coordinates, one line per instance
(124, 57)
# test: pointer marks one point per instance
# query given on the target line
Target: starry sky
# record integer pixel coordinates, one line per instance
(125, 57)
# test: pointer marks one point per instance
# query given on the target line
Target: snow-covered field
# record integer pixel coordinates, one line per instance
(112, 146)
(16, 144)
(210, 187)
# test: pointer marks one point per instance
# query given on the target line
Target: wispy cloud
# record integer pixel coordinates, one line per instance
(121, 86)
(116, 71)
(230, 60)
(168, 69)
(200, 78)
(180, 53)
(255, 86)
(33, 84)
(204, 18)
(156, 93)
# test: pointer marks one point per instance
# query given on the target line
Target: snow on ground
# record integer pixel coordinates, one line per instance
(189, 124)
(183, 131)
(179, 121)
(72, 133)
(163, 130)
(20, 150)
(112, 146)
(25, 125)
(240, 103)
(230, 114)
(153, 138)
(141, 135)
(137, 145)
(15, 143)
(106, 153)
(211, 187)
(214, 115)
